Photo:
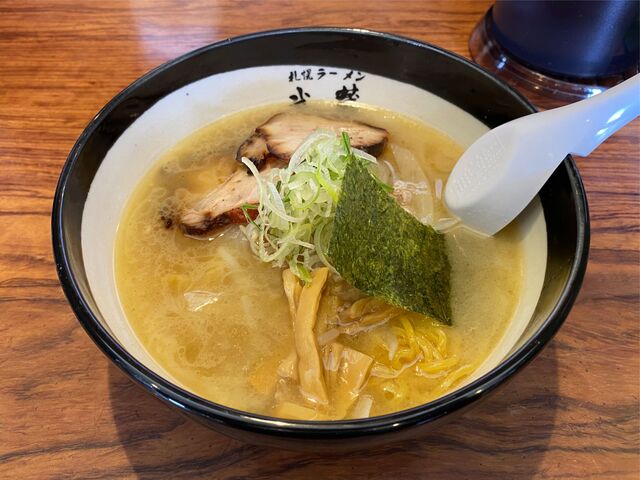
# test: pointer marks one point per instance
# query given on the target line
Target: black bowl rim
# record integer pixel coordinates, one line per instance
(205, 409)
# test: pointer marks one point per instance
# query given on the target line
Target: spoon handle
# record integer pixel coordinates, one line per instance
(601, 116)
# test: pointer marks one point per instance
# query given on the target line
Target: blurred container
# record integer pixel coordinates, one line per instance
(565, 50)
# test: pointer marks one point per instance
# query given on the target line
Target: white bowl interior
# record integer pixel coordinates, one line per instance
(188, 109)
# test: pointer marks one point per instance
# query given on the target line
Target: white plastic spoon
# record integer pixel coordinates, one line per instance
(502, 171)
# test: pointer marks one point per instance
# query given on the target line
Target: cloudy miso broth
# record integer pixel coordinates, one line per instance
(217, 318)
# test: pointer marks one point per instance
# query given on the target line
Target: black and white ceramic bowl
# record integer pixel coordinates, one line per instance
(169, 103)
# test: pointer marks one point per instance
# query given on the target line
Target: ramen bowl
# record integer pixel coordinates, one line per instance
(415, 79)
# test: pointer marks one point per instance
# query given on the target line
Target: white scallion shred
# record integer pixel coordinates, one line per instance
(297, 203)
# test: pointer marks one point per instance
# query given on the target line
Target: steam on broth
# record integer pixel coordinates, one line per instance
(231, 328)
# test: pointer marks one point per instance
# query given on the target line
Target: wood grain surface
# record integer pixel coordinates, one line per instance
(66, 412)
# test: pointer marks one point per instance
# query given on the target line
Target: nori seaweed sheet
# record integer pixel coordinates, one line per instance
(383, 250)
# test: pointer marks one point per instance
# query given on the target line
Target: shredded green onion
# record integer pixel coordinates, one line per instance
(297, 203)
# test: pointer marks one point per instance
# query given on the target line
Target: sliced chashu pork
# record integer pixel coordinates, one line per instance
(254, 148)
(283, 133)
(222, 205)
(272, 142)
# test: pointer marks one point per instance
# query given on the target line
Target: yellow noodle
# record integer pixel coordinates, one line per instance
(438, 338)
(442, 340)
(365, 305)
(455, 376)
(439, 365)
(377, 317)
(400, 332)
(403, 356)
(357, 308)
(429, 351)
(411, 334)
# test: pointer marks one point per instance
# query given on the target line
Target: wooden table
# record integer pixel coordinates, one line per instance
(66, 412)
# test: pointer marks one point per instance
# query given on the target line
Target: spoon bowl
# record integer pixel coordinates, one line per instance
(501, 172)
